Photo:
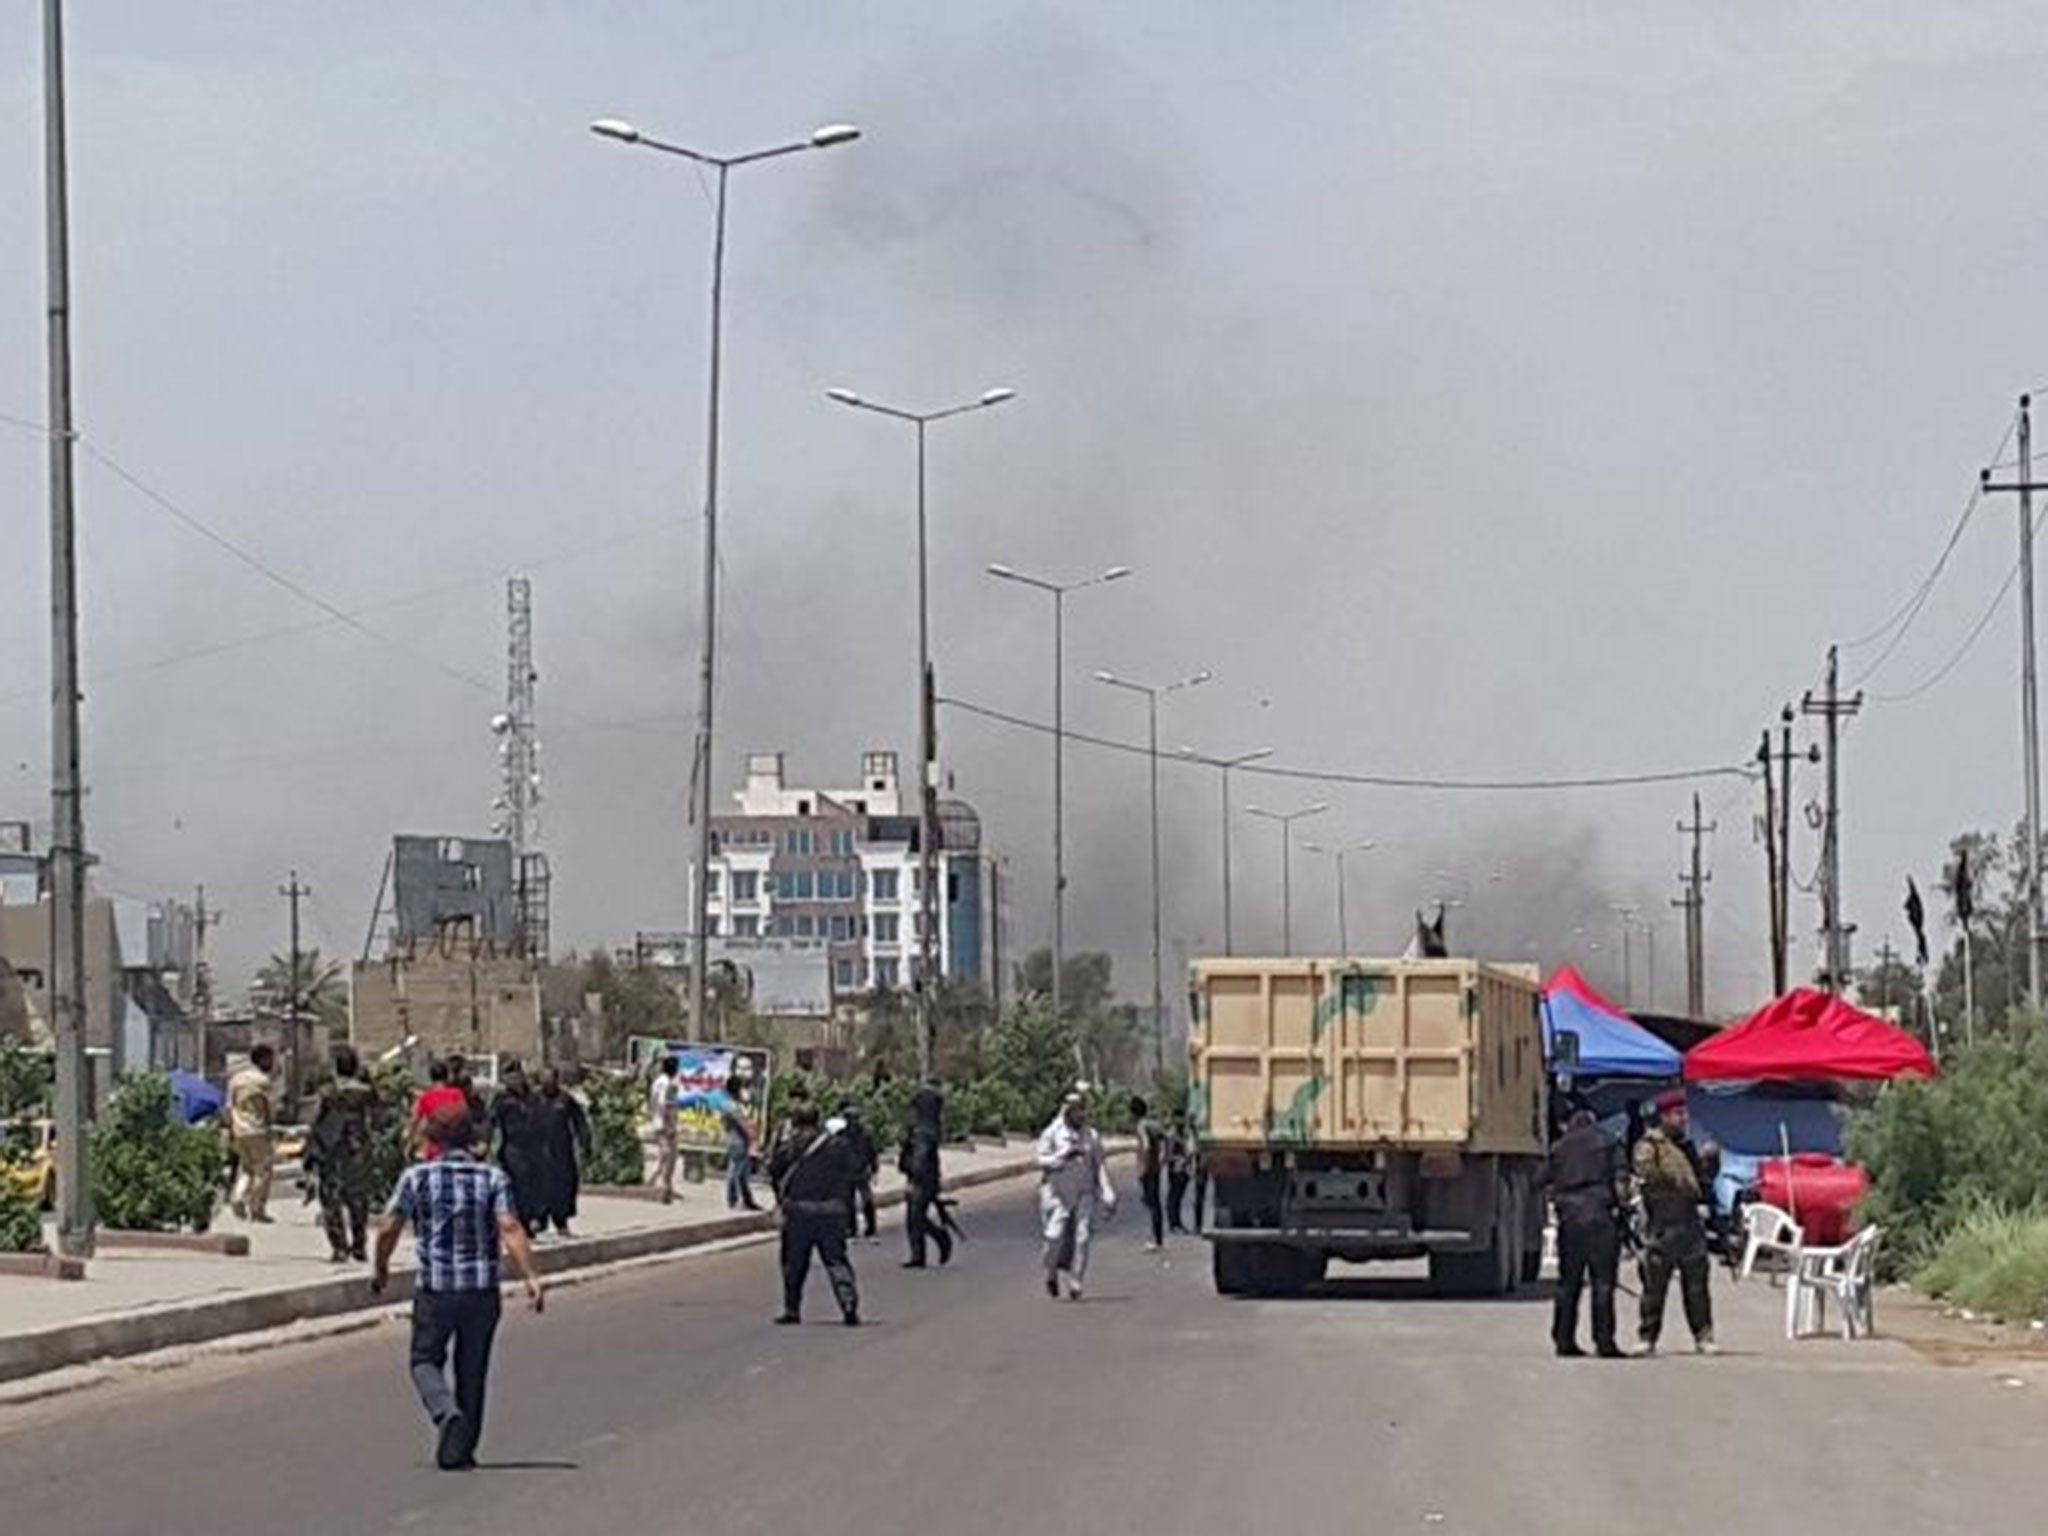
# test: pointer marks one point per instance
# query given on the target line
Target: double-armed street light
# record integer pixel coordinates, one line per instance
(1286, 821)
(931, 895)
(623, 132)
(1341, 853)
(1057, 591)
(1153, 693)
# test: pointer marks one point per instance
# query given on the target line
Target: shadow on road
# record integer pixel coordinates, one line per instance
(1384, 1288)
(529, 1466)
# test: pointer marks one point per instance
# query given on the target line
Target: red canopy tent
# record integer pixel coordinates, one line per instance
(1807, 1034)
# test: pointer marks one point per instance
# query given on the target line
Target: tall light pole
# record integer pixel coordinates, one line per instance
(1286, 821)
(1627, 914)
(1058, 591)
(1153, 693)
(933, 904)
(67, 786)
(1223, 765)
(1340, 854)
(700, 899)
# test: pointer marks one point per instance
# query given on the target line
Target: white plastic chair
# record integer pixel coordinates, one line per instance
(1769, 1231)
(1846, 1273)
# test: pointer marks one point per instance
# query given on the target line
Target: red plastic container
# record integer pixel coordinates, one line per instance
(1820, 1191)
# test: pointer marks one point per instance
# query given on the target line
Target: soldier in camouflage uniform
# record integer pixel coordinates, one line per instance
(1672, 1182)
(341, 1156)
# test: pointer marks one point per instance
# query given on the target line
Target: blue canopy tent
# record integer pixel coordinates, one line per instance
(1609, 1043)
(196, 1097)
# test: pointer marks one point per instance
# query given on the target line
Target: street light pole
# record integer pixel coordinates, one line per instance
(1058, 592)
(1153, 693)
(933, 905)
(1286, 820)
(1341, 854)
(1223, 765)
(700, 898)
(1627, 915)
(75, 1221)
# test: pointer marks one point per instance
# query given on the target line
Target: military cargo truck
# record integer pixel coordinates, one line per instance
(1369, 1109)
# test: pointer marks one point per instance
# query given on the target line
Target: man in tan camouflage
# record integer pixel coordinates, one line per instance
(1672, 1183)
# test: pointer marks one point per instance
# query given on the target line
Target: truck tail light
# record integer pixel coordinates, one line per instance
(1442, 1165)
(1229, 1165)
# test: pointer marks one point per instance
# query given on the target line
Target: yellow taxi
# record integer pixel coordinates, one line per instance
(28, 1161)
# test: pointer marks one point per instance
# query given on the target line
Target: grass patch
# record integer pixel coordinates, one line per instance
(1994, 1260)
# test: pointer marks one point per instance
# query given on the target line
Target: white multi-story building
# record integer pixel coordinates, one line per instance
(838, 869)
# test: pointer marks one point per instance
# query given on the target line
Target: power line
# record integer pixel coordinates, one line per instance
(1903, 618)
(1368, 780)
(1976, 633)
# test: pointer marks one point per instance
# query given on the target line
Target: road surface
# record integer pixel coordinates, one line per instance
(662, 1400)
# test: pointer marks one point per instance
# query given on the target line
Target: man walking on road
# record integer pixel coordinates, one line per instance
(1584, 1175)
(1669, 1174)
(734, 1113)
(867, 1161)
(461, 1215)
(341, 1156)
(250, 1122)
(1073, 1182)
(919, 1163)
(661, 1109)
(1151, 1170)
(1180, 1158)
(813, 1173)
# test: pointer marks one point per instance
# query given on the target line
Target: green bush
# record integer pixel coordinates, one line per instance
(1993, 1260)
(26, 1078)
(615, 1115)
(1938, 1150)
(150, 1171)
(21, 1228)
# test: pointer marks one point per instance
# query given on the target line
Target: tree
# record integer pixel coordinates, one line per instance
(1033, 1051)
(317, 988)
(637, 1000)
(888, 1032)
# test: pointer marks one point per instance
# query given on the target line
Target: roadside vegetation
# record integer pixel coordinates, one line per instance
(1959, 1174)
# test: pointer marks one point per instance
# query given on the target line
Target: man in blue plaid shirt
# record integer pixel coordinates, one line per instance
(460, 1211)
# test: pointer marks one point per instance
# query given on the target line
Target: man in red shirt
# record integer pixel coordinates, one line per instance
(443, 1087)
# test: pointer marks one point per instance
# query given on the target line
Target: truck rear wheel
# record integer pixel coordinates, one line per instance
(1230, 1267)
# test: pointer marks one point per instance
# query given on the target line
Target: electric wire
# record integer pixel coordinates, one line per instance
(1367, 780)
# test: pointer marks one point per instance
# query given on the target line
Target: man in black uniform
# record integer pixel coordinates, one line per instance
(1585, 1168)
(919, 1163)
(866, 1161)
(813, 1173)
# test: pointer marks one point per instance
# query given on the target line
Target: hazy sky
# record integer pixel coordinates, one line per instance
(1479, 391)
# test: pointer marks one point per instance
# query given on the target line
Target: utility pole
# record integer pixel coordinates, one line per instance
(67, 772)
(1886, 958)
(1833, 708)
(202, 973)
(1771, 856)
(292, 893)
(1781, 880)
(2030, 728)
(1694, 905)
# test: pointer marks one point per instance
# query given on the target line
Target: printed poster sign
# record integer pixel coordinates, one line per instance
(710, 1079)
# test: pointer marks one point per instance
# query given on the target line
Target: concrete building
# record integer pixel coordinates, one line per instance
(837, 870)
(454, 975)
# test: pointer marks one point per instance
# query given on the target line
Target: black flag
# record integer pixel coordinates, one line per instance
(1916, 914)
(1966, 903)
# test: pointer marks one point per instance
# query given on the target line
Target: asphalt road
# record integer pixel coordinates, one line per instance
(662, 1400)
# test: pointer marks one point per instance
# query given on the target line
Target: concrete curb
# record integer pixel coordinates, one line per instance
(233, 1245)
(136, 1333)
